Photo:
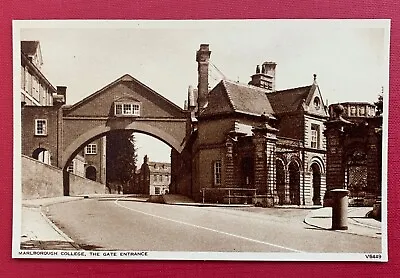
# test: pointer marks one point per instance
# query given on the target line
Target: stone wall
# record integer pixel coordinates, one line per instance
(40, 180)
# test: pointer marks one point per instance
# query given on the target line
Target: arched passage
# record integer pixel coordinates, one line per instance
(91, 173)
(101, 131)
(42, 155)
(280, 181)
(138, 126)
(294, 183)
(316, 184)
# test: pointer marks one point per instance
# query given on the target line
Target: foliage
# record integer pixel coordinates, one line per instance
(121, 158)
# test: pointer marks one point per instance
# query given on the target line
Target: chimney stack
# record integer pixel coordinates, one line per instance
(62, 91)
(202, 59)
(264, 77)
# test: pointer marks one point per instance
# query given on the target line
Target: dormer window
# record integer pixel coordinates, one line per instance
(317, 103)
(127, 109)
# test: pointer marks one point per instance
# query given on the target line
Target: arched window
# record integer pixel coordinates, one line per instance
(316, 183)
(280, 181)
(294, 183)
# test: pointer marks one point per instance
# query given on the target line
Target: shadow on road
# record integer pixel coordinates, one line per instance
(49, 245)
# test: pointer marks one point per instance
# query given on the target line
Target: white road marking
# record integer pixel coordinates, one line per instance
(209, 229)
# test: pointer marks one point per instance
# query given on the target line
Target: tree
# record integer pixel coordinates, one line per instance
(121, 160)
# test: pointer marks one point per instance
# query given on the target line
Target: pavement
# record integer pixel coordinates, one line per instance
(38, 232)
(358, 223)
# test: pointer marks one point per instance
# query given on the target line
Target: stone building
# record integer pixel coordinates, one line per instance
(43, 107)
(153, 178)
(354, 144)
(251, 142)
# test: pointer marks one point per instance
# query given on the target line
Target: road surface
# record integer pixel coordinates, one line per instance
(117, 224)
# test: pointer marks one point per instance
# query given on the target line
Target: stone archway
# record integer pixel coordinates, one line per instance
(316, 184)
(294, 183)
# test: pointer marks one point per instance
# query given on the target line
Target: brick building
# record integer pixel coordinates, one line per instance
(43, 108)
(153, 178)
(252, 143)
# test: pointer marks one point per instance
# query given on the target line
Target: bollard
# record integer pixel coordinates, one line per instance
(339, 209)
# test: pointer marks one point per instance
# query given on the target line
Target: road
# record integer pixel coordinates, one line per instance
(115, 224)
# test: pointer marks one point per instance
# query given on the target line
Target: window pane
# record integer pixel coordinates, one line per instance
(40, 127)
(91, 149)
(136, 110)
(217, 172)
(118, 109)
(127, 109)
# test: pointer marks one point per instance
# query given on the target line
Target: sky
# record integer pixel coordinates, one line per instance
(350, 58)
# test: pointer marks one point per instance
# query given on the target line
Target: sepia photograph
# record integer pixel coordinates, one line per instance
(242, 140)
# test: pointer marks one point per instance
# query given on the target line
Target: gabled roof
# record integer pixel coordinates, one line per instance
(229, 96)
(159, 167)
(289, 100)
(122, 79)
(29, 47)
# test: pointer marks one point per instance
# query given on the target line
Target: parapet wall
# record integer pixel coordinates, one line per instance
(40, 180)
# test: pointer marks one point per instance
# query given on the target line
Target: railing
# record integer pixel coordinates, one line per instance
(229, 193)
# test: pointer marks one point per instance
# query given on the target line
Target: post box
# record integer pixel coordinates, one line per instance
(339, 209)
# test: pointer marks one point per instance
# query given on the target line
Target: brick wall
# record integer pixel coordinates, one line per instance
(50, 181)
(291, 126)
(30, 141)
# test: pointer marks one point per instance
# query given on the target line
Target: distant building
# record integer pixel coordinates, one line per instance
(153, 178)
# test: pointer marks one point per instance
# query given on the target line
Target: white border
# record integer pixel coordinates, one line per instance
(156, 255)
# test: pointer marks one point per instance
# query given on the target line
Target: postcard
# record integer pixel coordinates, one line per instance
(242, 140)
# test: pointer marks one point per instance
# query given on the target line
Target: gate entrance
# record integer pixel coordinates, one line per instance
(125, 104)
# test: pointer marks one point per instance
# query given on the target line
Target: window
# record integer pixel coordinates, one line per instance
(217, 172)
(91, 149)
(127, 109)
(155, 178)
(70, 167)
(41, 127)
(314, 136)
(118, 109)
(157, 190)
(352, 110)
(317, 103)
(362, 111)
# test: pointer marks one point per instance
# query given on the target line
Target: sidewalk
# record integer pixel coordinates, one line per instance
(358, 223)
(37, 232)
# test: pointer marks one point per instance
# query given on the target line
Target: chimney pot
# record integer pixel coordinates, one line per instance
(202, 59)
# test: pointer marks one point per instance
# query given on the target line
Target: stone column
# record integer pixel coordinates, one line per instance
(259, 156)
(335, 164)
(229, 164)
(287, 187)
(264, 142)
(271, 166)
(374, 158)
